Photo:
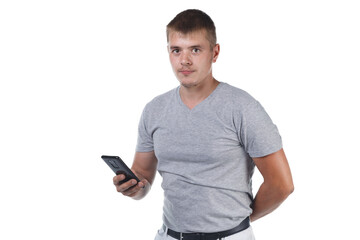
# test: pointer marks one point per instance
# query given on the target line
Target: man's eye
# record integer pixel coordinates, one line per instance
(196, 50)
(175, 51)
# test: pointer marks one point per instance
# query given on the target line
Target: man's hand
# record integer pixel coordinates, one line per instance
(131, 188)
(144, 167)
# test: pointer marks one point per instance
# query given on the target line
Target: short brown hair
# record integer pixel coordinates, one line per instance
(193, 20)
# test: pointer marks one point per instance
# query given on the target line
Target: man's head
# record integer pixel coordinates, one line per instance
(192, 47)
(193, 20)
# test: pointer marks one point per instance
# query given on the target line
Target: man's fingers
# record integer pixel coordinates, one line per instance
(129, 188)
(133, 190)
(118, 178)
(125, 186)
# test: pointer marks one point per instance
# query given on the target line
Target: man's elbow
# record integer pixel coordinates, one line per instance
(286, 190)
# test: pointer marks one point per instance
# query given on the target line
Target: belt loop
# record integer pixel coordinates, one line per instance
(165, 229)
(181, 236)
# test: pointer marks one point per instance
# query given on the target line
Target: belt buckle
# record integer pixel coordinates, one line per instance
(201, 236)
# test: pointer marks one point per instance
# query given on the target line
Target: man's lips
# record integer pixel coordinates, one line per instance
(186, 72)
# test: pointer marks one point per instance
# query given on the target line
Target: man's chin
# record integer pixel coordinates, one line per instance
(187, 84)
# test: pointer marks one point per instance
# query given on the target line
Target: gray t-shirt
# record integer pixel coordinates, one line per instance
(204, 155)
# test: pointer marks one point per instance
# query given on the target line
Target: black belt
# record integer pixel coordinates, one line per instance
(210, 236)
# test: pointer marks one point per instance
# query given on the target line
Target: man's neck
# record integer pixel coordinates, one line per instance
(192, 96)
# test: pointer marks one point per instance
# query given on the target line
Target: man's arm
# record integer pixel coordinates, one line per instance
(144, 167)
(277, 185)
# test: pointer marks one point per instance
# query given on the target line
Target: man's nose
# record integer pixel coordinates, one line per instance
(185, 59)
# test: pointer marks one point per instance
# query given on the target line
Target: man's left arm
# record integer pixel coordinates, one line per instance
(277, 185)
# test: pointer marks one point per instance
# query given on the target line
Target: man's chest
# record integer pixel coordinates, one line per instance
(195, 136)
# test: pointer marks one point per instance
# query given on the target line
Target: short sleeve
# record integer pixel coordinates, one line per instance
(145, 141)
(257, 133)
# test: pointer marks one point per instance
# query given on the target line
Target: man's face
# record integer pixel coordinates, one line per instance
(191, 57)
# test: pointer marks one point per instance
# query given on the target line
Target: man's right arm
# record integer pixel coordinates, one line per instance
(144, 167)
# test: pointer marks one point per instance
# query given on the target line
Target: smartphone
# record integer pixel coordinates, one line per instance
(119, 167)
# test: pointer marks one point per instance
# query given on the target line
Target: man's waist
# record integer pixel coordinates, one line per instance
(209, 236)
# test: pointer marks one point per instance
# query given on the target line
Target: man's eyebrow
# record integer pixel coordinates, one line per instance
(194, 46)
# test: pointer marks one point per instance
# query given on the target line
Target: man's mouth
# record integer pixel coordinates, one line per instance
(186, 72)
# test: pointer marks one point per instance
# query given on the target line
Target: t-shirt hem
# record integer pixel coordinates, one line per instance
(144, 149)
(265, 153)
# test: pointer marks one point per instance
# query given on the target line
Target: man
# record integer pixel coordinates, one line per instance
(205, 138)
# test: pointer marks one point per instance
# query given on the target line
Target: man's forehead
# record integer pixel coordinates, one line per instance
(188, 33)
(199, 36)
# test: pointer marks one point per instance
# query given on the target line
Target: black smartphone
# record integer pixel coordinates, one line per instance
(119, 167)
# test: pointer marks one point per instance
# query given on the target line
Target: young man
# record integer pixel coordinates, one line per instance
(205, 138)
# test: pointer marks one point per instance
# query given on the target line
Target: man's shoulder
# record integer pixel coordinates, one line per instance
(165, 96)
(236, 96)
(162, 100)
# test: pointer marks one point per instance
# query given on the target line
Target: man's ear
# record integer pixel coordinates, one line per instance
(216, 51)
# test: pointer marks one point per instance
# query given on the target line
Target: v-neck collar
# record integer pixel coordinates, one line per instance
(203, 102)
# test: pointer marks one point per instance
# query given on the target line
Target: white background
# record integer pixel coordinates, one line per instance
(75, 76)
